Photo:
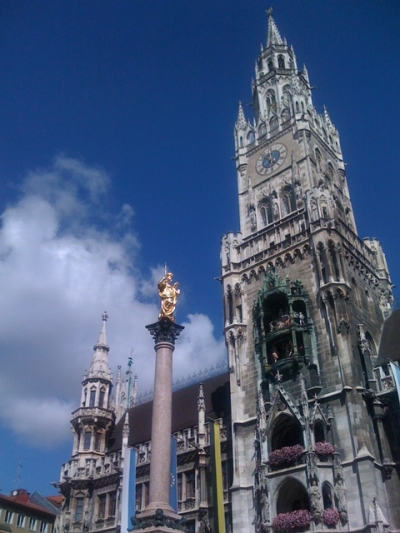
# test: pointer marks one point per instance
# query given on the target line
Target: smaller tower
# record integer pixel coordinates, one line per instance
(94, 418)
(91, 423)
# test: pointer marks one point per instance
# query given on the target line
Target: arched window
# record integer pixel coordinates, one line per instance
(101, 397)
(330, 171)
(262, 130)
(266, 213)
(292, 496)
(241, 142)
(289, 201)
(286, 431)
(319, 431)
(324, 206)
(327, 495)
(281, 62)
(302, 107)
(270, 64)
(371, 344)
(297, 107)
(92, 397)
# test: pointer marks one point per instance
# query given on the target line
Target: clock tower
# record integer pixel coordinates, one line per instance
(304, 303)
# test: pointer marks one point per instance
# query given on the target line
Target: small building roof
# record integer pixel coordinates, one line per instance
(19, 503)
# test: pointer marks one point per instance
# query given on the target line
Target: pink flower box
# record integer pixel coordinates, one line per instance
(286, 455)
(292, 521)
(323, 448)
(330, 517)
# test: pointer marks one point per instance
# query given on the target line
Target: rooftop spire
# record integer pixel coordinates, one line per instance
(274, 37)
(99, 365)
(102, 342)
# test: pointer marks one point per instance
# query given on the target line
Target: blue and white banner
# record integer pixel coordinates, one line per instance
(128, 502)
(173, 487)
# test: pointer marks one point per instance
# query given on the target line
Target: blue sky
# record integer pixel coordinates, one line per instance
(116, 142)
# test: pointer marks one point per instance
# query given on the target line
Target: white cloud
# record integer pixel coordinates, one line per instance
(64, 259)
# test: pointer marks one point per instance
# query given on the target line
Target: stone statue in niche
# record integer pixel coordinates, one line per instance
(275, 206)
(264, 508)
(314, 210)
(315, 497)
(253, 217)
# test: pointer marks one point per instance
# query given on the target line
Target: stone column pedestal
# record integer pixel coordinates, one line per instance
(159, 515)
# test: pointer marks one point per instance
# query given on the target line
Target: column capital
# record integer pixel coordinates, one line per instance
(165, 331)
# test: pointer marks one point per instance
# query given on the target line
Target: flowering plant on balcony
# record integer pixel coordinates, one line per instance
(286, 455)
(330, 517)
(289, 521)
(324, 448)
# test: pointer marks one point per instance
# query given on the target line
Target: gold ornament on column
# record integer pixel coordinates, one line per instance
(168, 294)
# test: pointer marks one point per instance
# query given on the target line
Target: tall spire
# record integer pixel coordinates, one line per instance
(102, 342)
(99, 366)
(273, 37)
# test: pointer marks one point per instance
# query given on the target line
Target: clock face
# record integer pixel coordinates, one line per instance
(271, 159)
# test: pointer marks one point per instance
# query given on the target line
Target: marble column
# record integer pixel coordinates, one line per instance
(164, 333)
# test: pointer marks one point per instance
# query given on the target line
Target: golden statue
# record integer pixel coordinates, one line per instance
(169, 296)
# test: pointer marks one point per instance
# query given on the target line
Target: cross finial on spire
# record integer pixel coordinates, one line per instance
(104, 316)
(269, 11)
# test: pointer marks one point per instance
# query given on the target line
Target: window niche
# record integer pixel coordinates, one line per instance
(266, 213)
(292, 496)
(282, 326)
(281, 62)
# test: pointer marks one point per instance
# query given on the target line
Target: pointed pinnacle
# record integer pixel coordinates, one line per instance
(274, 36)
(241, 121)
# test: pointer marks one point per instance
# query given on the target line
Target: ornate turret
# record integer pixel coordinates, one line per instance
(94, 418)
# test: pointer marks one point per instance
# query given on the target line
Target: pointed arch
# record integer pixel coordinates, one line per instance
(266, 212)
(291, 496)
(288, 199)
(281, 62)
(327, 495)
(286, 430)
(319, 431)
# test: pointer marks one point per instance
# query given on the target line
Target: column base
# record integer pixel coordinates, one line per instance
(158, 517)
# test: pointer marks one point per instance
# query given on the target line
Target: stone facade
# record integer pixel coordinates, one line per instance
(305, 301)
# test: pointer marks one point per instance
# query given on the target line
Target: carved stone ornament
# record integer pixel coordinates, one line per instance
(165, 331)
(158, 520)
